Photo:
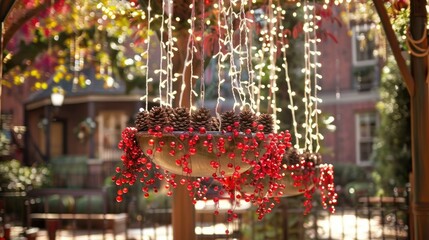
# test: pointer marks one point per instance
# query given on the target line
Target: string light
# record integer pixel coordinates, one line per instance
(237, 55)
(146, 53)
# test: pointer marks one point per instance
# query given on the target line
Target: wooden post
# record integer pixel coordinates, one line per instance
(183, 216)
(420, 123)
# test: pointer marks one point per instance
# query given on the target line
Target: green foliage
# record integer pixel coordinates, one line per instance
(346, 173)
(352, 181)
(392, 151)
(15, 177)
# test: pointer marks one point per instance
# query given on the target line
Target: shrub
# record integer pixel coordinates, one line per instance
(16, 177)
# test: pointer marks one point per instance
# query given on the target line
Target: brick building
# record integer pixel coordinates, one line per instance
(351, 74)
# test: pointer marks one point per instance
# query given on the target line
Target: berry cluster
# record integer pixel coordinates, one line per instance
(309, 174)
(262, 185)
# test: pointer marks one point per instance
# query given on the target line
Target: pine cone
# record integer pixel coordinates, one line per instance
(247, 118)
(157, 117)
(215, 124)
(292, 157)
(180, 119)
(201, 118)
(169, 112)
(267, 121)
(141, 121)
(228, 118)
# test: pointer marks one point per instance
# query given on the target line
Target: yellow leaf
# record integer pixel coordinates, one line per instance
(33, 73)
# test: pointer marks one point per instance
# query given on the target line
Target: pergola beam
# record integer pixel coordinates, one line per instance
(419, 122)
(394, 45)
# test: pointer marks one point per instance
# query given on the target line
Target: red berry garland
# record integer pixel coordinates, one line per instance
(261, 185)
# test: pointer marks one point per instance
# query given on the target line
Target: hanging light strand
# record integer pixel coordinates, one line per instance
(307, 77)
(247, 58)
(242, 79)
(202, 54)
(292, 94)
(222, 39)
(317, 136)
(161, 71)
(259, 56)
(189, 59)
(233, 73)
(273, 40)
(147, 55)
(169, 96)
(192, 49)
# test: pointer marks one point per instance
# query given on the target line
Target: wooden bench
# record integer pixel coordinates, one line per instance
(80, 206)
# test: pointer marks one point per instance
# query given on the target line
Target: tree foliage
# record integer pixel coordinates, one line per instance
(56, 39)
(392, 150)
(64, 37)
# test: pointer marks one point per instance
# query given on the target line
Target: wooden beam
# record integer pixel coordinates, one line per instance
(394, 45)
(419, 124)
(5, 7)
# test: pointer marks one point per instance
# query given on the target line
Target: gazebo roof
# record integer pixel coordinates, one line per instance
(96, 90)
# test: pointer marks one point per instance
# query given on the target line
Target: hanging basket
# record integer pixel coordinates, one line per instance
(202, 155)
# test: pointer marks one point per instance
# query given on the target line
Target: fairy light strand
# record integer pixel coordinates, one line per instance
(219, 65)
(272, 66)
(146, 53)
(228, 18)
(162, 46)
(191, 49)
(307, 78)
(248, 44)
(292, 94)
(202, 53)
(242, 54)
(259, 57)
(317, 135)
(169, 96)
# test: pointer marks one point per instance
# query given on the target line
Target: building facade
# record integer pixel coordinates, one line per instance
(351, 71)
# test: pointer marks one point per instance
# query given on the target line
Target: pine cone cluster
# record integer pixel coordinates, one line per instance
(180, 119)
(201, 118)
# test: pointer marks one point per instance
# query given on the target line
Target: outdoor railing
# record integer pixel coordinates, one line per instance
(368, 218)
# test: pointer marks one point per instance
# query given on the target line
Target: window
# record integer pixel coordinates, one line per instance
(366, 125)
(365, 78)
(110, 125)
(364, 58)
(363, 45)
